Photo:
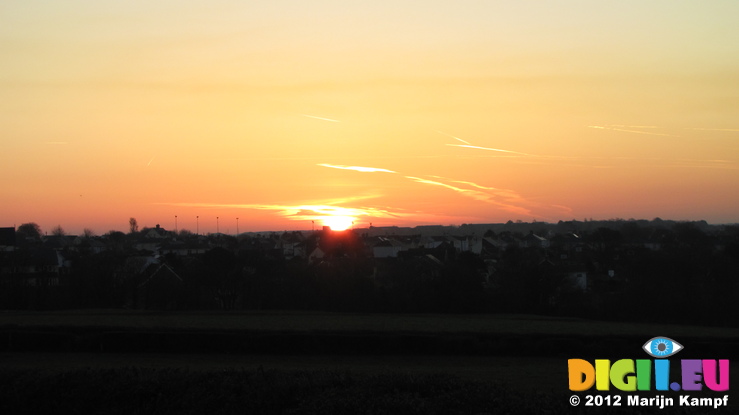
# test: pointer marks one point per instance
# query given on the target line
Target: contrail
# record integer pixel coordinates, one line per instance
(149, 164)
(319, 118)
(631, 131)
(634, 126)
(464, 182)
(489, 149)
(448, 186)
(456, 138)
(357, 168)
(715, 129)
(467, 144)
(474, 185)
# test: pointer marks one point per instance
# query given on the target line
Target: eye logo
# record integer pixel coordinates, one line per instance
(631, 375)
(661, 347)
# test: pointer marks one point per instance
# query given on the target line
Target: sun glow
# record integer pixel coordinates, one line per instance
(338, 223)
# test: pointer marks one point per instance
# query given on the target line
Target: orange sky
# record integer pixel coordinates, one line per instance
(390, 113)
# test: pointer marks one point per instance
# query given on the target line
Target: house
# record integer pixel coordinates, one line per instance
(533, 240)
(466, 244)
(38, 266)
(182, 248)
(316, 255)
(148, 245)
(156, 233)
(91, 245)
(161, 288)
(387, 248)
(292, 244)
(432, 242)
(58, 242)
(7, 239)
(578, 280)
(491, 247)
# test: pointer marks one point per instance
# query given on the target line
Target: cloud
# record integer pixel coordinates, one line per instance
(565, 209)
(495, 190)
(508, 197)
(715, 129)
(357, 168)
(467, 144)
(618, 127)
(456, 138)
(633, 126)
(471, 193)
(489, 149)
(310, 211)
(319, 118)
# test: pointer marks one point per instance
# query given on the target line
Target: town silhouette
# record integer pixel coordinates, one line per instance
(379, 319)
(626, 270)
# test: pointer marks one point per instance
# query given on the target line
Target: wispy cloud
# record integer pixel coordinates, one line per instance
(454, 137)
(489, 149)
(471, 193)
(604, 162)
(715, 129)
(311, 211)
(499, 191)
(357, 168)
(633, 126)
(467, 144)
(622, 128)
(320, 118)
(149, 163)
(503, 200)
(465, 182)
(563, 209)
(635, 129)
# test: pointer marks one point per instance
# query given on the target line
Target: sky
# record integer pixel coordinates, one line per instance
(290, 115)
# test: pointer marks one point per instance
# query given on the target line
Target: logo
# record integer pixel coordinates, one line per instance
(631, 375)
(662, 347)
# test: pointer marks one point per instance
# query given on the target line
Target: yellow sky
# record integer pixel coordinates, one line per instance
(396, 113)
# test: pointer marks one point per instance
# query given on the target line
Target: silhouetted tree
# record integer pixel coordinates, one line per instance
(28, 230)
(225, 278)
(93, 277)
(133, 225)
(116, 239)
(58, 231)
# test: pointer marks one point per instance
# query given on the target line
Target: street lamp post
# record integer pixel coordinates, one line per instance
(218, 228)
(175, 224)
(237, 226)
(197, 225)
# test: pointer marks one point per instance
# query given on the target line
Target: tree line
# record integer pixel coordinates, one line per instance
(686, 273)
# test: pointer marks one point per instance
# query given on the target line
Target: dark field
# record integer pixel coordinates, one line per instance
(285, 362)
(323, 321)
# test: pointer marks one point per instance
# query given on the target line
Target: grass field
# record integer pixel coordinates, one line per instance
(136, 390)
(386, 323)
(543, 374)
(396, 380)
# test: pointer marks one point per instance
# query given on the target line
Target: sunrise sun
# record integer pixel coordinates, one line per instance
(338, 223)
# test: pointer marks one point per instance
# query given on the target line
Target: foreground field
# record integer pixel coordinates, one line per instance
(320, 321)
(293, 362)
(543, 374)
(303, 333)
(175, 391)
